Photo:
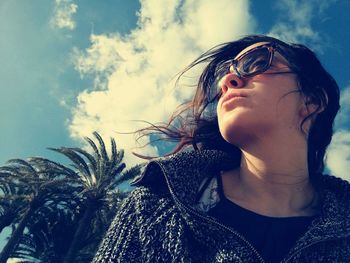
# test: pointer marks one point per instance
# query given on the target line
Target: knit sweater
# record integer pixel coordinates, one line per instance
(165, 218)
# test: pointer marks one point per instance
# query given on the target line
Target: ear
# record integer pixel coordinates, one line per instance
(310, 106)
(307, 108)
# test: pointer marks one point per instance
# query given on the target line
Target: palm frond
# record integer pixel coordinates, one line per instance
(128, 175)
(109, 165)
(9, 171)
(108, 179)
(114, 152)
(102, 146)
(23, 166)
(94, 147)
(79, 162)
(53, 167)
(120, 156)
(89, 157)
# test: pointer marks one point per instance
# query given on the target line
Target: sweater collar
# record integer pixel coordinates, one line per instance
(184, 174)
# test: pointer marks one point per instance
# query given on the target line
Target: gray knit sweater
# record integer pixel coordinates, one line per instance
(164, 219)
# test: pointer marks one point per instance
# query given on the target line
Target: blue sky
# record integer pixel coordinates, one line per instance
(71, 67)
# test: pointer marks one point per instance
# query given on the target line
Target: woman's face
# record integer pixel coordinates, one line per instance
(263, 104)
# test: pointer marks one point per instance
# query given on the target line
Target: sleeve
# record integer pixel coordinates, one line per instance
(121, 243)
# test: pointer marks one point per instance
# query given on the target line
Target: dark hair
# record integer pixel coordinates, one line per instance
(195, 123)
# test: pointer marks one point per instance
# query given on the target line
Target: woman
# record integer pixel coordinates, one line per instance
(245, 181)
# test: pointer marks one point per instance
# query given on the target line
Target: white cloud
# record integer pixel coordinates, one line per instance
(63, 12)
(14, 260)
(342, 118)
(134, 73)
(338, 154)
(295, 23)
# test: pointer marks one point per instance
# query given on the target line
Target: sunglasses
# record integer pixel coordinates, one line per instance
(253, 62)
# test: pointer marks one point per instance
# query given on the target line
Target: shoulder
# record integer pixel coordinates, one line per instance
(139, 214)
(144, 197)
(338, 186)
(337, 196)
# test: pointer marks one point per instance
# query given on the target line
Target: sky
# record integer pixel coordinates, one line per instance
(71, 67)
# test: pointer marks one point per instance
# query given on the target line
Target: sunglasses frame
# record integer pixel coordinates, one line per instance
(271, 47)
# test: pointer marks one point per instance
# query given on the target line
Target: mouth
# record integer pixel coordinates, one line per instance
(232, 96)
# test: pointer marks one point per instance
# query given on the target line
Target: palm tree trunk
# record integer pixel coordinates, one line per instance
(79, 234)
(16, 235)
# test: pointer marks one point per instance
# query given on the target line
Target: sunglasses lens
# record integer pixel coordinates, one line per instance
(222, 70)
(254, 62)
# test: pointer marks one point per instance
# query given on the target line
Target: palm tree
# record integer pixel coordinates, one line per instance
(65, 211)
(36, 190)
(100, 177)
(12, 201)
(47, 235)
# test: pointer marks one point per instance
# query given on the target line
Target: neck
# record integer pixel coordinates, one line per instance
(273, 178)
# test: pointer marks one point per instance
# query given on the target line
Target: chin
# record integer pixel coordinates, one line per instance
(239, 135)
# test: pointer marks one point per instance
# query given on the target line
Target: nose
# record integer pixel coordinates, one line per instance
(231, 81)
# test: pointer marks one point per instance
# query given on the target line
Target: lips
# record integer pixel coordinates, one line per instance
(232, 95)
